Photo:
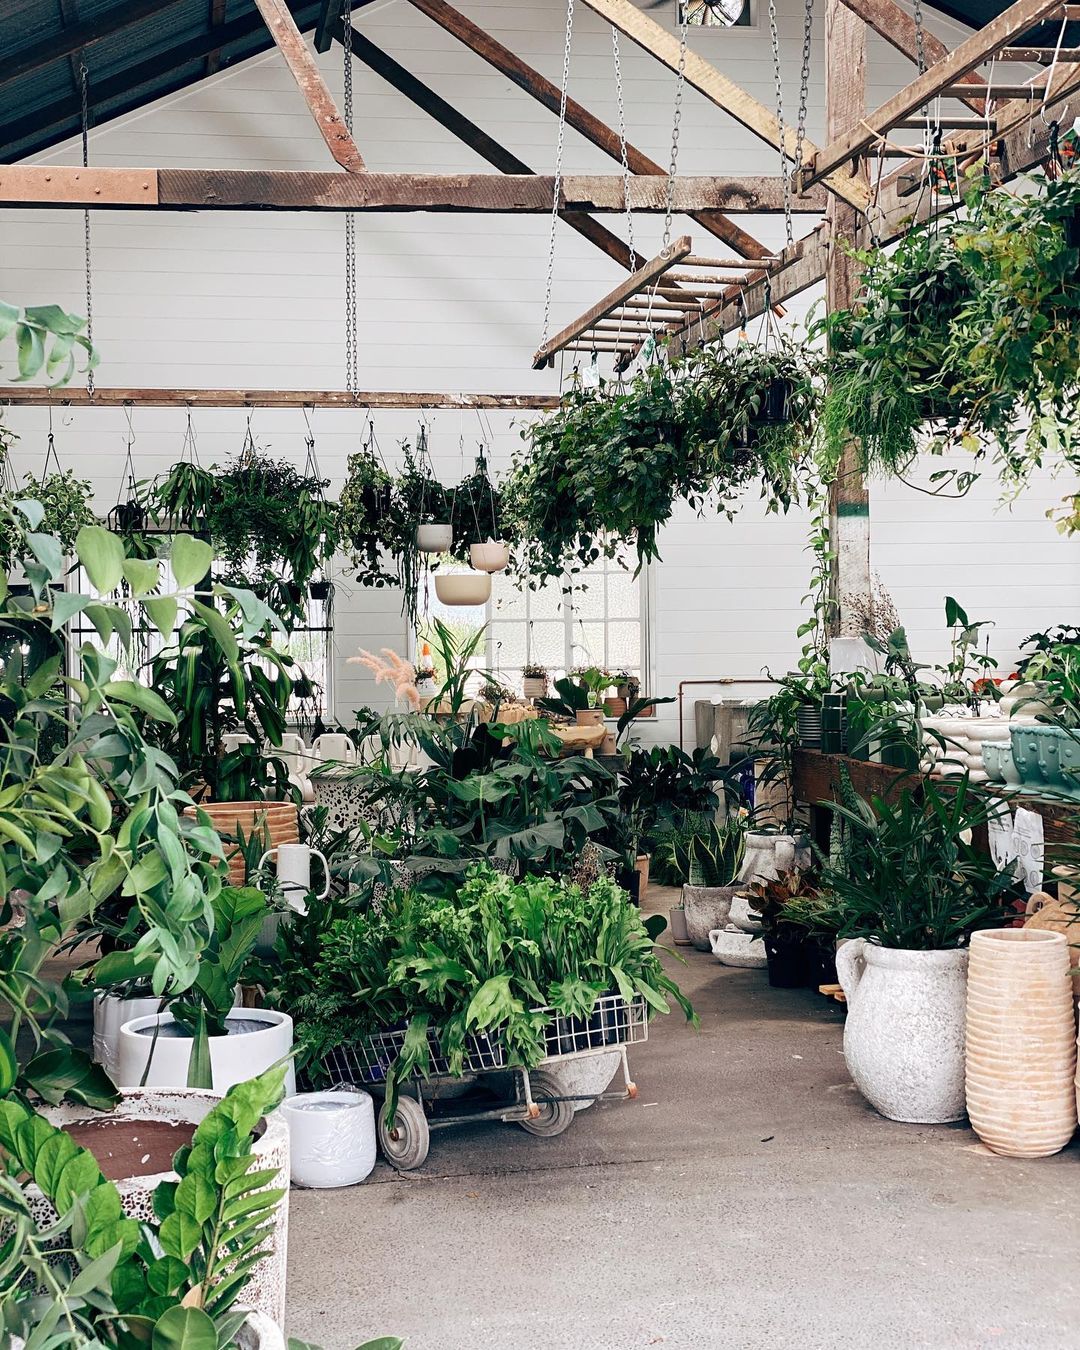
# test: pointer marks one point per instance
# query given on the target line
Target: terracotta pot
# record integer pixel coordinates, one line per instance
(1021, 1042)
(276, 819)
(641, 866)
(614, 707)
(589, 717)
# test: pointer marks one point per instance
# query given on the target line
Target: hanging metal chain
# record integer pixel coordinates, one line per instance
(676, 121)
(804, 85)
(84, 84)
(559, 146)
(920, 37)
(781, 134)
(352, 354)
(622, 137)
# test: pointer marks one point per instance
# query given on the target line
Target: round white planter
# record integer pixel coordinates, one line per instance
(331, 1137)
(490, 556)
(705, 908)
(434, 538)
(145, 1117)
(904, 1035)
(731, 947)
(768, 854)
(110, 1014)
(463, 588)
(233, 1058)
(588, 1076)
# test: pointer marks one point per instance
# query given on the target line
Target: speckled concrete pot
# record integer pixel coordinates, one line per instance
(1021, 1042)
(904, 1036)
(586, 1076)
(706, 907)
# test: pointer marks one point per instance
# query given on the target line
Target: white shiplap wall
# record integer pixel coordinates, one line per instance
(455, 303)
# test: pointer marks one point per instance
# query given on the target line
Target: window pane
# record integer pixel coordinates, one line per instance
(547, 603)
(507, 602)
(589, 602)
(622, 596)
(548, 644)
(588, 644)
(624, 646)
(507, 645)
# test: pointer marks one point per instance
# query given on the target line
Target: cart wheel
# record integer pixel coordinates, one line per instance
(553, 1117)
(406, 1145)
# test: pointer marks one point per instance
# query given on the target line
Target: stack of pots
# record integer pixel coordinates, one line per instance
(965, 741)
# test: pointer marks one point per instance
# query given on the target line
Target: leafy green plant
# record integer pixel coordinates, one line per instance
(363, 510)
(45, 336)
(663, 785)
(65, 500)
(910, 877)
(475, 509)
(701, 852)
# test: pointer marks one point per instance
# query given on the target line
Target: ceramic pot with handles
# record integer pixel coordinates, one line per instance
(904, 1035)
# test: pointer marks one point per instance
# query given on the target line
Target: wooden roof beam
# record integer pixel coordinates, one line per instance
(972, 52)
(29, 396)
(545, 92)
(217, 18)
(897, 27)
(478, 140)
(77, 37)
(305, 71)
(725, 93)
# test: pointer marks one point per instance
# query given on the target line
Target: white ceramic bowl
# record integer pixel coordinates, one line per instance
(490, 556)
(463, 588)
(434, 538)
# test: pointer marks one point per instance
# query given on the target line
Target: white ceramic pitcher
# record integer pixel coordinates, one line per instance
(294, 873)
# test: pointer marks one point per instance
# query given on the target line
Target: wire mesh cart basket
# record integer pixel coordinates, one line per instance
(488, 1088)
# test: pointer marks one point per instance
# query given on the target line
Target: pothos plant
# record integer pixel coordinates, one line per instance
(45, 336)
(65, 501)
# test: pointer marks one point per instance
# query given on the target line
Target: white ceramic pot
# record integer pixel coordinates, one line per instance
(705, 908)
(331, 1137)
(463, 588)
(434, 538)
(731, 947)
(904, 1035)
(741, 915)
(490, 556)
(243, 1054)
(677, 923)
(149, 1125)
(586, 1076)
(110, 1014)
(769, 854)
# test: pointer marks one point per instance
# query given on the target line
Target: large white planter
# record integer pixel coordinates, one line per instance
(110, 1014)
(490, 556)
(331, 1137)
(463, 588)
(904, 1036)
(705, 908)
(586, 1076)
(146, 1117)
(767, 855)
(432, 538)
(164, 1058)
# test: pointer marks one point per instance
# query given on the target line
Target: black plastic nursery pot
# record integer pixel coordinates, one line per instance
(808, 722)
(820, 962)
(631, 884)
(787, 961)
(833, 724)
(320, 590)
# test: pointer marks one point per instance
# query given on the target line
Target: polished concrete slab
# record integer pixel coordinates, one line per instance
(748, 1198)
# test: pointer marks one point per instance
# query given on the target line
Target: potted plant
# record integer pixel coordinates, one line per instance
(419, 492)
(704, 858)
(909, 889)
(65, 502)
(364, 510)
(534, 682)
(789, 907)
(477, 520)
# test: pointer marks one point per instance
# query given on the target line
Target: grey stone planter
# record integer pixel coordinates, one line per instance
(707, 907)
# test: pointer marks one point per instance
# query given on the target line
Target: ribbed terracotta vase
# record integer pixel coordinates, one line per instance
(1021, 1042)
(277, 820)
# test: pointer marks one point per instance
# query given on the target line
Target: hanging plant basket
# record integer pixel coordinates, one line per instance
(490, 556)
(321, 590)
(434, 537)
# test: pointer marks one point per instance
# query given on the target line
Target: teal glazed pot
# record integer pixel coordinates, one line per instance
(992, 755)
(1069, 761)
(1025, 748)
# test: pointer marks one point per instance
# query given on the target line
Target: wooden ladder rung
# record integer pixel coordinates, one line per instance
(1044, 55)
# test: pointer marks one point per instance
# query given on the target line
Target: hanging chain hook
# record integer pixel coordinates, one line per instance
(84, 99)
(781, 131)
(559, 146)
(676, 124)
(352, 356)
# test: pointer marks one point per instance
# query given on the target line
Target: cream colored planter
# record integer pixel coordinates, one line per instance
(1021, 1042)
(463, 588)
(490, 556)
(434, 538)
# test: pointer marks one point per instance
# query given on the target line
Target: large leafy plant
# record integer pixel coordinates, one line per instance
(45, 336)
(65, 500)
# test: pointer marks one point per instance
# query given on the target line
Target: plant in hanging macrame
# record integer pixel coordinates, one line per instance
(66, 500)
(419, 499)
(476, 510)
(364, 511)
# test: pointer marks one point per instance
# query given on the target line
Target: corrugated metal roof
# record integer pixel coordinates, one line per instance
(155, 47)
(169, 45)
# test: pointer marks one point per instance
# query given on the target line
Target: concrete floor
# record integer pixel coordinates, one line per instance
(748, 1198)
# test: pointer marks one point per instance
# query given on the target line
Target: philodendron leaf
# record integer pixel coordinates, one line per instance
(127, 691)
(184, 1329)
(191, 559)
(162, 610)
(9, 1067)
(102, 554)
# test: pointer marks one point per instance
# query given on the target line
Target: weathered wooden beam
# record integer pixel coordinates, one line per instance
(548, 94)
(30, 396)
(47, 125)
(304, 70)
(217, 18)
(972, 52)
(897, 27)
(478, 140)
(1041, 55)
(718, 89)
(288, 190)
(77, 37)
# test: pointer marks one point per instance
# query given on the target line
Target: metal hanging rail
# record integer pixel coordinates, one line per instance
(42, 397)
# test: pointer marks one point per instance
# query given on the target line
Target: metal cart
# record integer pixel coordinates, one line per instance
(531, 1098)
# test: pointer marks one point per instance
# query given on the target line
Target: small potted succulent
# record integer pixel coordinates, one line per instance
(535, 682)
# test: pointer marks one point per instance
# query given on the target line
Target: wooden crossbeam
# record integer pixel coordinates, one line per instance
(77, 37)
(289, 190)
(625, 291)
(721, 91)
(466, 131)
(537, 86)
(217, 18)
(304, 70)
(1041, 55)
(897, 27)
(972, 52)
(26, 396)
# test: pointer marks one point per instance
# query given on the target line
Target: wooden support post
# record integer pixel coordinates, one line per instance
(448, 117)
(537, 86)
(849, 142)
(725, 93)
(897, 27)
(309, 80)
(849, 500)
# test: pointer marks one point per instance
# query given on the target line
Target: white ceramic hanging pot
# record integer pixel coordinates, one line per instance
(490, 556)
(434, 538)
(463, 588)
(258, 1037)
(331, 1137)
(904, 1035)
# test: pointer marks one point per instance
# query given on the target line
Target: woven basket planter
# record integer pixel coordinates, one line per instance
(1021, 1042)
(276, 819)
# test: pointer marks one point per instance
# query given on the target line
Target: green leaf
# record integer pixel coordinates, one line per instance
(96, 1273)
(9, 1067)
(184, 1329)
(191, 559)
(166, 1275)
(66, 604)
(127, 691)
(66, 1072)
(162, 610)
(141, 574)
(52, 1158)
(77, 1177)
(196, 1197)
(179, 1235)
(102, 554)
